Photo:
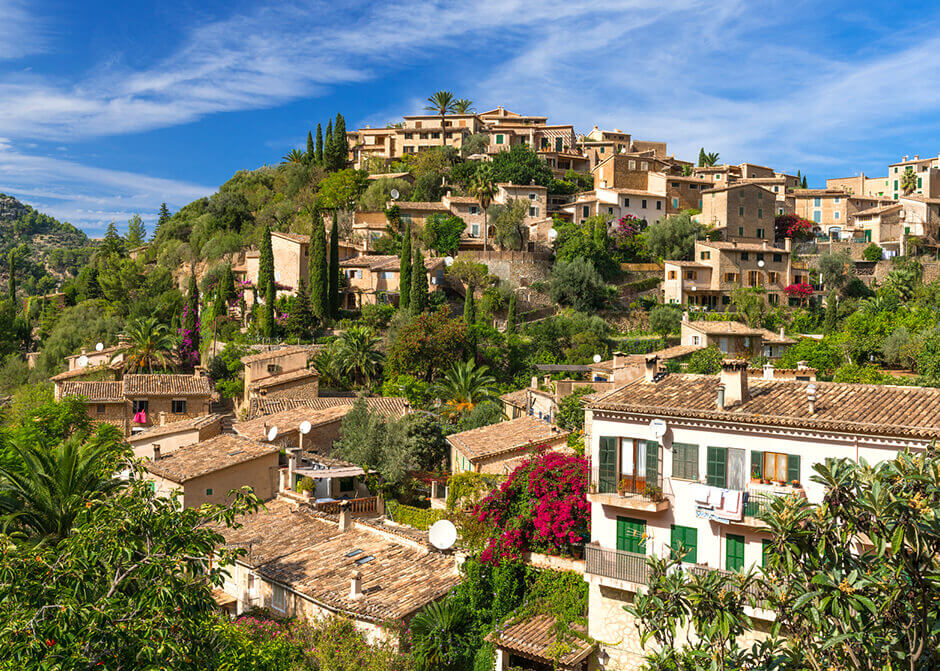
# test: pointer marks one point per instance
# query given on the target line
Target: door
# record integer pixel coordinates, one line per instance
(687, 538)
(633, 465)
(716, 473)
(734, 552)
(631, 535)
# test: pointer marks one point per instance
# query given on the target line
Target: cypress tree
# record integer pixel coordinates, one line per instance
(404, 270)
(333, 285)
(340, 143)
(804, 182)
(328, 147)
(469, 307)
(226, 291)
(319, 291)
(267, 323)
(511, 314)
(163, 216)
(190, 343)
(701, 157)
(266, 261)
(318, 151)
(830, 320)
(311, 154)
(302, 322)
(11, 286)
(419, 282)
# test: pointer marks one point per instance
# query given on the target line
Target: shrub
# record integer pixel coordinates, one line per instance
(578, 284)
(872, 253)
(305, 484)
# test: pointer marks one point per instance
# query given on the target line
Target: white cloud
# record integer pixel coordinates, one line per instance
(20, 33)
(86, 196)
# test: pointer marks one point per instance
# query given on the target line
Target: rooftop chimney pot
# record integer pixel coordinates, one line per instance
(652, 367)
(156, 453)
(734, 379)
(355, 586)
(345, 517)
(768, 371)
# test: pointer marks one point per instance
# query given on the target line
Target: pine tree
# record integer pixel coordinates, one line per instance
(302, 322)
(328, 147)
(163, 216)
(319, 289)
(511, 314)
(469, 307)
(333, 270)
(319, 146)
(340, 143)
(136, 231)
(701, 158)
(404, 270)
(419, 282)
(267, 323)
(266, 261)
(804, 182)
(113, 242)
(311, 154)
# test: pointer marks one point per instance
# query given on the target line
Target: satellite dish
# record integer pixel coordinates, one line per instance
(442, 534)
(82, 361)
(99, 347)
(272, 433)
(597, 358)
(305, 427)
(657, 428)
(552, 234)
(760, 264)
(448, 261)
(394, 194)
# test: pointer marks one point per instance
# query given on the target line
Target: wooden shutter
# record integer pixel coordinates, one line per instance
(688, 538)
(685, 461)
(793, 467)
(607, 465)
(630, 535)
(734, 552)
(716, 472)
(652, 462)
(757, 464)
(765, 551)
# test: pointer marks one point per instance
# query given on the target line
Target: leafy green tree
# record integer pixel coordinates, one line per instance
(136, 232)
(163, 216)
(341, 189)
(418, 298)
(673, 237)
(483, 188)
(705, 361)
(872, 253)
(750, 303)
(836, 269)
(358, 354)
(521, 165)
(508, 220)
(318, 148)
(571, 411)
(511, 314)
(265, 260)
(426, 345)
(908, 181)
(319, 280)
(441, 103)
(463, 387)
(149, 343)
(334, 269)
(578, 284)
(376, 196)
(475, 143)
(113, 244)
(831, 319)
(293, 156)
(442, 233)
(404, 269)
(11, 281)
(904, 278)
(576, 241)
(665, 319)
(369, 439)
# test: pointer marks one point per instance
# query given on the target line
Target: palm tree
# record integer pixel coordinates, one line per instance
(293, 156)
(442, 103)
(464, 387)
(711, 158)
(437, 635)
(483, 188)
(48, 488)
(463, 106)
(908, 181)
(148, 342)
(358, 354)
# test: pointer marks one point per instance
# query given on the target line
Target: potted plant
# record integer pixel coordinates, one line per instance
(306, 486)
(625, 486)
(795, 483)
(653, 493)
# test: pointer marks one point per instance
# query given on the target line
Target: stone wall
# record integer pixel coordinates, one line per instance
(516, 268)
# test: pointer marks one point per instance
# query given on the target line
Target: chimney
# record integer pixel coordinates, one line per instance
(734, 378)
(765, 244)
(802, 365)
(156, 452)
(811, 397)
(652, 367)
(345, 517)
(619, 360)
(721, 396)
(685, 315)
(783, 333)
(355, 586)
(535, 382)
(768, 371)
(162, 421)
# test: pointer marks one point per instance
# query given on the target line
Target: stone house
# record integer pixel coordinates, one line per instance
(498, 448)
(206, 472)
(741, 211)
(832, 211)
(280, 372)
(734, 338)
(926, 170)
(375, 279)
(169, 437)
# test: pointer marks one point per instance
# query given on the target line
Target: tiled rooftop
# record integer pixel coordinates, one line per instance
(391, 406)
(492, 440)
(275, 353)
(290, 420)
(283, 378)
(209, 456)
(535, 637)
(166, 385)
(192, 424)
(95, 391)
(722, 328)
(516, 398)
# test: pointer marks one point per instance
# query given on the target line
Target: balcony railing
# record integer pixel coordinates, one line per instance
(363, 505)
(757, 502)
(617, 564)
(755, 589)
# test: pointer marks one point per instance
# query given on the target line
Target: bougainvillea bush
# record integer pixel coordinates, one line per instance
(541, 507)
(793, 226)
(801, 290)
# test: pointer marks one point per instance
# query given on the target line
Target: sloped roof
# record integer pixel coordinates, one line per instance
(166, 385)
(391, 406)
(275, 353)
(95, 391)
(216, 454)
(495, 439)
(516, 398)
(290, 420)
(284, 378)
(193, 424)
(722, 328)
(535, 637)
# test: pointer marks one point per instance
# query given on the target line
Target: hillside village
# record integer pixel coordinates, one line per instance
(480, 391)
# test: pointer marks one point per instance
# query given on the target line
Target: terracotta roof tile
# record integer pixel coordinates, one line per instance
(516, 398)
(391, 406)
(293, 237)
(290, 420)
(723, 328)
(495, 439)
(166, 385)
(275, 353)
(421, 206)
(283, 378)
(535, 637)
(878, 209)
(95, 392)
(80, 372)
(857, 408)
(192, 424)
(742, 246)
(209, 456)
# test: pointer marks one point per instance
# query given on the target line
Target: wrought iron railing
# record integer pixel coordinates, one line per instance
(757, 502)
(617, 564)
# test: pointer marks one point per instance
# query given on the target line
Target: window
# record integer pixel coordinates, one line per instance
(745, 256)
(140, 406)
(610, 210)
(643, 203)
(474, 209)
(685, 457)
(817, 216)
(773, 277)
(734, 552)
(659, 204)
(690, 275)
(696, 340)
(776, 189)
(631, 535)
(586, 211)
(705, 255)
(607, 465)
(386, 274)
(626, 202)
(100, 408)
(499, 138)
(760, 214)
(817, 202)
(347, 484)
(724, 467)
(531, 196)
(178, 406)
(687, 538)
(644, 165)
(731, 277)
(675, 185)
(773, 299)
(633, 166)
(209, 491)
(741, 231)
(754, 278)
(740, 211)
(835, 215)
(836, 200)
(725, 300)
(778, 258)
(775, 466)
(671, 275)
(760, 195)
(279, 598)
(717, 178)
(474, 230)
(760, 231)
(675, 203)
(760, 256)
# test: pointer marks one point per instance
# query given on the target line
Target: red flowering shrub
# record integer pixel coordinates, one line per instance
(801, 290)
(793, 227)
(542, 507)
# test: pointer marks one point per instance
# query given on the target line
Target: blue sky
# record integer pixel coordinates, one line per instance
(108, 110)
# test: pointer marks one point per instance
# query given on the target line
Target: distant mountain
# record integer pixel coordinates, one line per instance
(53, 249)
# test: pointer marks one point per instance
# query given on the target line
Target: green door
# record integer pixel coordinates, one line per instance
(652, 463)
(716, 473)
(734, 552)
(607, 465)
(631, 535)
(688, 538)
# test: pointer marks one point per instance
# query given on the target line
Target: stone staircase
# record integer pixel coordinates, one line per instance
(228, 415)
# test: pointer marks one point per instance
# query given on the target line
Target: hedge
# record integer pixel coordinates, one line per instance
(419, 518)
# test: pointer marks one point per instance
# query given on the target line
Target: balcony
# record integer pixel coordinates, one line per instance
(759, 498)
(633, 493)
(628, 567)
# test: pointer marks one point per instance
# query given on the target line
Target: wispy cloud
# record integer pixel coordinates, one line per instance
(20, 33)
(86, 196)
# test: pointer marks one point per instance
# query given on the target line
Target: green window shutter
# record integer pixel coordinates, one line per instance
(765, 551)
(607, 465)
(652, 462)
(716, 472)
(688, 538)
(630, 535)
(734, 552)
(793, 467)
(757, 464)
(685, 461)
